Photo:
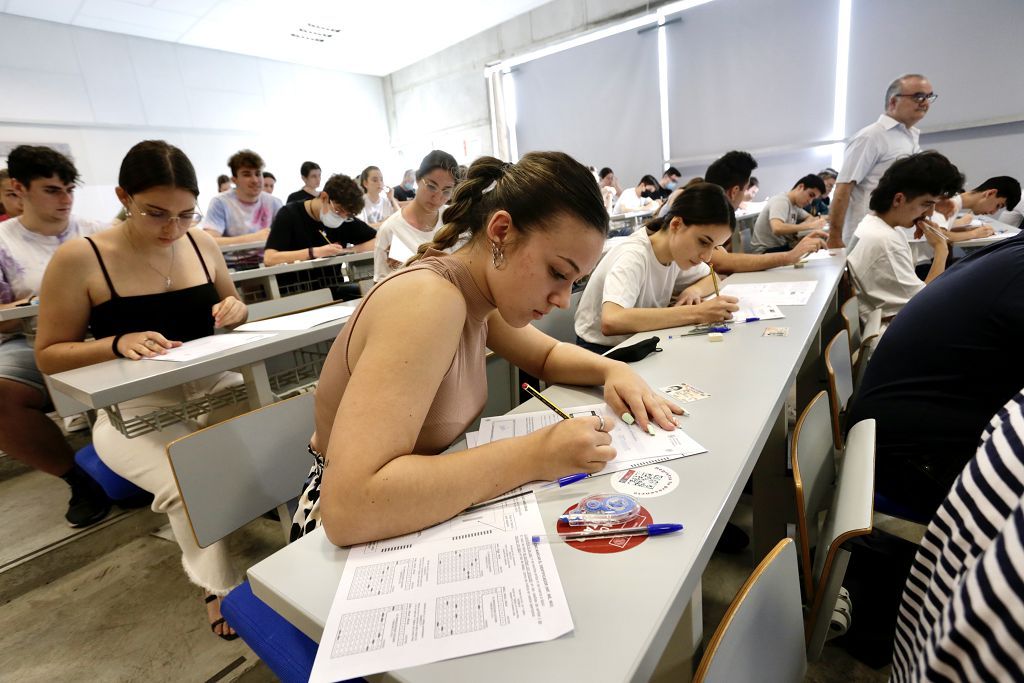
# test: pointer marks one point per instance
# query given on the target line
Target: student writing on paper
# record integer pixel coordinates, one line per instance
(321, 226)
(407, 376)
(632, 288)
(991, 196)
(783, 217)
(639, 198)
(146, 285)
(882, 264)
(418, 220)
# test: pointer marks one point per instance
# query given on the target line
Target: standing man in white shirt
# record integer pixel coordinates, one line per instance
(244, 213)
(883, 264)
(45, 180)
(873, 149)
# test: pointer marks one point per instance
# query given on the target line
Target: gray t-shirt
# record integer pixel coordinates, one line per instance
(778, 207)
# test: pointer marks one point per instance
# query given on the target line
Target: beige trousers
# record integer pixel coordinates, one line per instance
(143, 461)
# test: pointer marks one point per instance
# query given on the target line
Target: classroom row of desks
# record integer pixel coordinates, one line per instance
(641, 595)
(264, 277)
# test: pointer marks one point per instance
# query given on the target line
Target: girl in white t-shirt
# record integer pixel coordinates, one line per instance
(380, 201)
(632, 289)
(419, 219)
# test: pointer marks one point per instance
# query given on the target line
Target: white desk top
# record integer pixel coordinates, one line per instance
(114, 381)
(618, 217)
(19, 312)
(243, 246)
(638, 595)
(267, 271)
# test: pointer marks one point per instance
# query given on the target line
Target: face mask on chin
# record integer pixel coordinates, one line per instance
(671, 185)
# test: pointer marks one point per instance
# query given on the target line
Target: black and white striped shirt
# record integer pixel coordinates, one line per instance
(961, 617)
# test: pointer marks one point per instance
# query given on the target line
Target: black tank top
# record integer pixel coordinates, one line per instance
(180, 315)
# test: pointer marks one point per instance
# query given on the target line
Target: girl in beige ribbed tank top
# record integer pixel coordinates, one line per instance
(407, 375)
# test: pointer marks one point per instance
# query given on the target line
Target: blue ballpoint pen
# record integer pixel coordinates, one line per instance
(556, 484)
(649, 530)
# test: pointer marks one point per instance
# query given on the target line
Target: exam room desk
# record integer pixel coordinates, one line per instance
(642, 594)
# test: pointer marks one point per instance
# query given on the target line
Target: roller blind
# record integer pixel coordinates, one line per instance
(744, 75)
(597, 102)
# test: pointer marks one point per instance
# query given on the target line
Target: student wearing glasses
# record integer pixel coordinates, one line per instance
(142, 287)
(873, 149)
(418, 220)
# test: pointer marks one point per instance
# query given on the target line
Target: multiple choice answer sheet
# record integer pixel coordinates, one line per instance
(633, 446)
(472, 584)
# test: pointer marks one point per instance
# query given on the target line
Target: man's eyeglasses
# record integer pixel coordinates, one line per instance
(921, 97)
(188, 219)
(446, 193)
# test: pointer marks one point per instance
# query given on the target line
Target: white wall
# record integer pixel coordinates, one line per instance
(102, 92)
(441, 101)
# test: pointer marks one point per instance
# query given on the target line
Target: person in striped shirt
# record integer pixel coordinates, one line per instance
(961, 617)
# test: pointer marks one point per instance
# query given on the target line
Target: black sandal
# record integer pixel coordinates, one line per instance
(214, 624)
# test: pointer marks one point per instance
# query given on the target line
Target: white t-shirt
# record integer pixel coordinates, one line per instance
(630, 201)
(631, 276)
(376, 212)
(868, 155)
(396, 227)
(229, 216)
(883, 267)
(24, 256)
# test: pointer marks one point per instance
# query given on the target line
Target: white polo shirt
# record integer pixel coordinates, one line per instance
(883, 267)
(631, 276)
(868, 155)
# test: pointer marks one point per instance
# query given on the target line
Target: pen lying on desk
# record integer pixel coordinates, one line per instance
(556, 484)
(593, 534)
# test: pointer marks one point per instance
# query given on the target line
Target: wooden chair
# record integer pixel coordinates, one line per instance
(840, 382)
(840, 488)
(761, 635)
(850, 311)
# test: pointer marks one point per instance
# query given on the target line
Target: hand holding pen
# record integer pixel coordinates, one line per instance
(574, 445)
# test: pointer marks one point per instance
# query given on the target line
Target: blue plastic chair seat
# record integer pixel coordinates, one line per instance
(285, 649)
(115, 486)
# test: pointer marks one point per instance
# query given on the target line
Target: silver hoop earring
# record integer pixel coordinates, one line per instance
(497, 255)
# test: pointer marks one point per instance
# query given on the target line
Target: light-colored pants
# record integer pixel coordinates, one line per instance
(143, 461)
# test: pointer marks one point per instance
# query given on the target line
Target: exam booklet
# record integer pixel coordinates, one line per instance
(472, 584)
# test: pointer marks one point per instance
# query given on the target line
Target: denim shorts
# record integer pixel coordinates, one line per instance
(18, 363)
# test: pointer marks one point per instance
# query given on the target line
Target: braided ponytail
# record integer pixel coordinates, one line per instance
(536, 189)
(470, 205)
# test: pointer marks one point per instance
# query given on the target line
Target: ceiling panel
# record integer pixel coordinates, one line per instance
(357, 37)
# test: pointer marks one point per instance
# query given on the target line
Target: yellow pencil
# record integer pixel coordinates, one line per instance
(537, 395)
(714, 279)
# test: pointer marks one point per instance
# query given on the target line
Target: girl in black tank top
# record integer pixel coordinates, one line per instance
(140, 287)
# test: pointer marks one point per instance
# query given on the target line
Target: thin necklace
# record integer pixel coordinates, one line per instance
(165, 276)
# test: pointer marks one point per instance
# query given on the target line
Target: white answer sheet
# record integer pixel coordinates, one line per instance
(303, 320)
(207, 346)
(819, 255)
(777, 293)
(756, 309)
(399, 250)
(472, 584)
(631, 444)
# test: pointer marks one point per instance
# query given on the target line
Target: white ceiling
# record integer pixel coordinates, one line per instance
(359, 37)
